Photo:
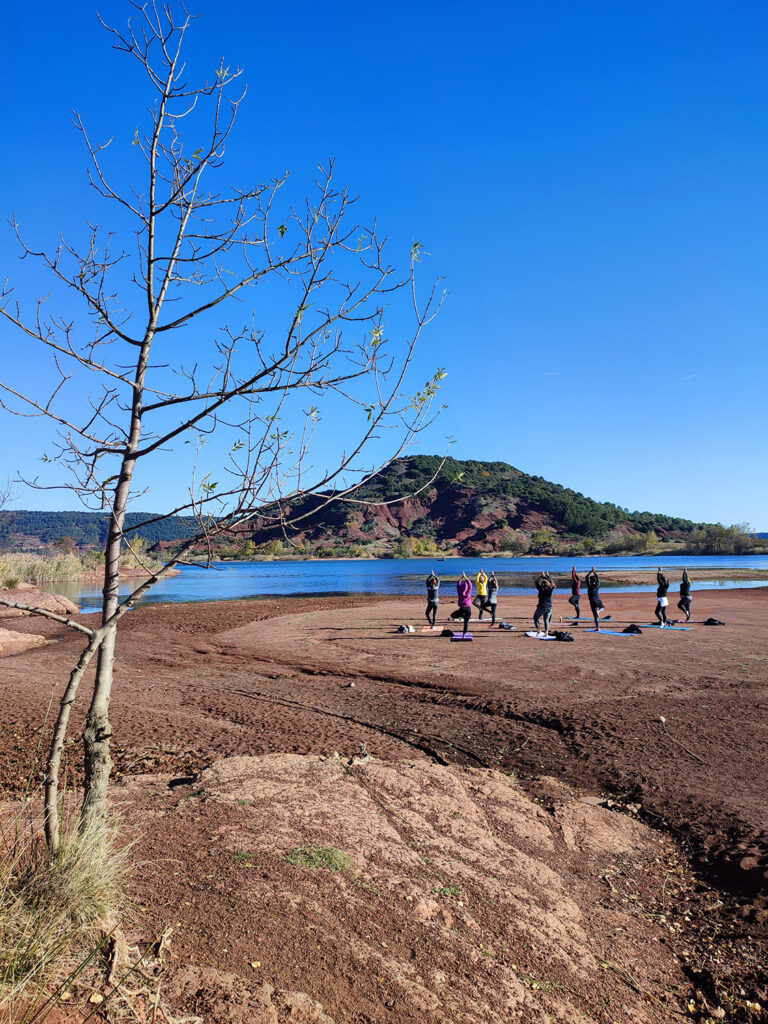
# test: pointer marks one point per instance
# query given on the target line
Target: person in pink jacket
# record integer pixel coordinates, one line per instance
(464, 592)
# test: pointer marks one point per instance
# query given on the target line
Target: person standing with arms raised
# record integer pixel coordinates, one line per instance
(595, 601)
(493, 594)
(684, 604)
(575, 592)
(464, 592)
(545, 585)
(433, 597)
(662, 601)
(482, 593)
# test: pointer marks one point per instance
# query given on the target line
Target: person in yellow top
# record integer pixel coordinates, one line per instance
(481, 580)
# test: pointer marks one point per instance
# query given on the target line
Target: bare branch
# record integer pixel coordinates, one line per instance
(63, 619)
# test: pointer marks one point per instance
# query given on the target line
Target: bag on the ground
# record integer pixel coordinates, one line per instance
(506, 625)
(447, 632)
(632, 628)
(405, 629)
(713, 622)
(563, 634)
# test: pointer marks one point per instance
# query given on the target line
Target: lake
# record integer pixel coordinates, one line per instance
(228, 580)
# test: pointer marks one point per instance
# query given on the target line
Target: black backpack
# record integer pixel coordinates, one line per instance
(632, 628)
(563, 634)
(713, 622)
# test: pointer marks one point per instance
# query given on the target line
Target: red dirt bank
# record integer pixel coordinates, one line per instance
(198, 683)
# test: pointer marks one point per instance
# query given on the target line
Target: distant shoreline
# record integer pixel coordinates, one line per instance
(662, 556)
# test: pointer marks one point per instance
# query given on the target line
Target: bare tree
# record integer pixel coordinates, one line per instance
(257, 388)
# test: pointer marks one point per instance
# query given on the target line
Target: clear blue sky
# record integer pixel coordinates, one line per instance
(589, 177)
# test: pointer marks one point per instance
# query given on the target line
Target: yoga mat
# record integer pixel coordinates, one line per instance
(611, 632)
(538, 636)
(459, 637)
(653, 625)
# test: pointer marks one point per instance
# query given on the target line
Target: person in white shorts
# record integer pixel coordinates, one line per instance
(662, 601)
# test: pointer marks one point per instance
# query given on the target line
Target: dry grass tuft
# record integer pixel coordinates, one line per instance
(26, 568)
(54, 910)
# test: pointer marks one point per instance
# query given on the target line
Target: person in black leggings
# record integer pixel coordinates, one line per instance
(662, 601)
(593, 592)
(575, 592)
(433, 598)
(492, 597)
(545, 586)
(684, 604)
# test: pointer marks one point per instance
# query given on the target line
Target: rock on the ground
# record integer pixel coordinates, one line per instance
(224, 996)
(25, 594)
(462, 900)
(12, 642)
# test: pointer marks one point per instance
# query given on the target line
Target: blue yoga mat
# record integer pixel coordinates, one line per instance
(587, 618)
(611, 632)
(653, 625)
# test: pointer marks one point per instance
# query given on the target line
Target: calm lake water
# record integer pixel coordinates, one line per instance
(227, 580)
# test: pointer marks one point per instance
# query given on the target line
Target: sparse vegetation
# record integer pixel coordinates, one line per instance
(325, 857)
(447, 890)
(245, 858)
(20, 568)
(54, 909)
(56, 566)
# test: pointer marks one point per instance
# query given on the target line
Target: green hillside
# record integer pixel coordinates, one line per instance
(451, 506)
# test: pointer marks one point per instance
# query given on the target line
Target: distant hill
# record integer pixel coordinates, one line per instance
(87, 529)
(469, 507)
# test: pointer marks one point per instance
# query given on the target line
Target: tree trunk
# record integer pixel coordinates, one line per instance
(98, 733)
(52, 828)
(98, 729)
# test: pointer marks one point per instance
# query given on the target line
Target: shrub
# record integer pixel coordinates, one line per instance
(516, 543)
(272, 547)
(544, 541)
(93, 559)
(724, 540)
(52, 909)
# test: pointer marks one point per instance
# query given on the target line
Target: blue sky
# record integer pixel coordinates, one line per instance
(589, 179)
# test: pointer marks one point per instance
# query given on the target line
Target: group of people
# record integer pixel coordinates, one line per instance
(546, 586)
(662, 601)
(488, 591)
(485, 601)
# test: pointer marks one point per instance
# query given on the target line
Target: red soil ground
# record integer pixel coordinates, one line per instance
(198, 683)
